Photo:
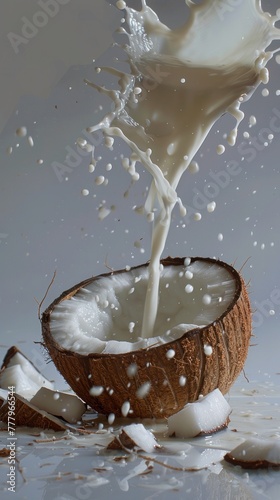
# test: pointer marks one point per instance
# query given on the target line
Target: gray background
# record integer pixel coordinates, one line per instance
(46, 225)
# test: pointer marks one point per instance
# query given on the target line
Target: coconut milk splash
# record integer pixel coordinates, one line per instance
(181, 82)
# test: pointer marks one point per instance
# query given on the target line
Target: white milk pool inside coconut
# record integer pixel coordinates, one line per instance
(201, 70)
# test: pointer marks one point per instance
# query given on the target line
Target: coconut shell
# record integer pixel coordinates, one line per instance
(229, 335)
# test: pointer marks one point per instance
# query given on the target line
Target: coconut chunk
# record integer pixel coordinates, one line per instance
(207, 415)
(27, 415)
(62, 404)
(255, 453)
(18, 371)
(134, 436)
(15, 376)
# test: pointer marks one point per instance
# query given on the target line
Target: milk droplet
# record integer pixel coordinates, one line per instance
(21, 131)
(91, 168)
(109, 142)
(206, 299)
(121, 4)
(211, 206)
(143, 390)
(265, 92)
(220, 237)
(197, 216)
(170, 354)
(252, 121)
(271, 312)
(111, 418)
(137, 244)
(189, 289)
(171, 148)
(207, 350)
(56, 396)
(81, 142)
(189, 275)
(182, 381)
(137, 90)
(85, 192)
(30, 141)
(103, 212)
(125, 408)
(96, 390)
(131, 326)
(220, 149)
(132, 370)
(193, 167)
(187, 261)
(99, 180)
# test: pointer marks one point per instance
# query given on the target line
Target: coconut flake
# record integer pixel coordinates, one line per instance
(134, 436)
(208, 414)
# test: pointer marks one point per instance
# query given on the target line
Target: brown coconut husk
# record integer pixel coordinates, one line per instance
(229, 335)
(27, 415)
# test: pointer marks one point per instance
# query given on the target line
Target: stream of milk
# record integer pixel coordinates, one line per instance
(181, 82)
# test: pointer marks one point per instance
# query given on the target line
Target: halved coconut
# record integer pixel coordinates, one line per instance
(200, 340)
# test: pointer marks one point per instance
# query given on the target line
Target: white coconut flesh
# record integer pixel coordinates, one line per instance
(23, 375)
(106, 316)
(61, 404)
(19, 372)
(207, 415)
(134, 436)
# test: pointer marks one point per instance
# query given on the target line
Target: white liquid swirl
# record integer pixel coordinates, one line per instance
(181, 82)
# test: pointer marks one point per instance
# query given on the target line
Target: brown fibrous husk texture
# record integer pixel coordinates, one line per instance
(229, 337)
(27, 415)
